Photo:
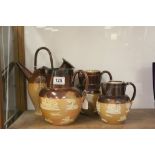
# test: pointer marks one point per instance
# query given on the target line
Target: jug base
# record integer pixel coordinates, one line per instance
(113, 123)
(58, 123)
(38, 113)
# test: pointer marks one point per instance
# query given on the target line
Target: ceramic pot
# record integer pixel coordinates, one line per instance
(37, 79)
(114, 105)
(61, 102)
(93, 90)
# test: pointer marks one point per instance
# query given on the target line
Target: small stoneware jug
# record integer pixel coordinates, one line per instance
(114, 105)
(61, 102)
(93, 90)
(37, 79)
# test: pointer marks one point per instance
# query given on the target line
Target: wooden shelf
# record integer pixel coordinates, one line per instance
(137, 119)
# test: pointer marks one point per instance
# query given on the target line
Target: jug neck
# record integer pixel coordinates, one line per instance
(66, 64)
(59, 78)
(114, 88)
(94, 77)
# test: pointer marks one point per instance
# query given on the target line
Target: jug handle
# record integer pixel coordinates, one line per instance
(36, 54)
(103, 88)
(107, 72)
(134, 90)
(86, 83)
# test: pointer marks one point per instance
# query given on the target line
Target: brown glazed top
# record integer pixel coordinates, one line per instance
(118, 99)
(94, 77)
(115, 90)
(65, 90)
(66, 73)
(57, 93)
(39, 75)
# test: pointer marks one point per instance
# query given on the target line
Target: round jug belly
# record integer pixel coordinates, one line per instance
(60, 111)
(113, 113)
(61, 102)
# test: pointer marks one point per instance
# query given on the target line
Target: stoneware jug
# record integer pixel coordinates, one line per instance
(93, 90)
(61, 102)
(37, 79)
(114, 105)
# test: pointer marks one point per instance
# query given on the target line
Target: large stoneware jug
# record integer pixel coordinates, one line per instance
(61, 102)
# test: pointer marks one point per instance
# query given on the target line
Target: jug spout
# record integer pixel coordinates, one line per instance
(26, 72)
(66, 64)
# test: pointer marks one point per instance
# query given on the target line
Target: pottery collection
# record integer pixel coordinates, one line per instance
(114, 105)
(56, 95)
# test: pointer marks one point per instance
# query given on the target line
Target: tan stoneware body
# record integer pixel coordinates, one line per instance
(114, 105)
(93, 90)
(60, 107)
(33, 91)
(113, 111)
(36, 82)
(89, 107)
(61, 102)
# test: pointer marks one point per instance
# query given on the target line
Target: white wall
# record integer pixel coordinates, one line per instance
(127, 52)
